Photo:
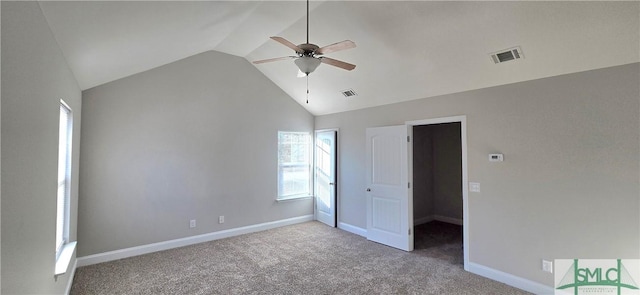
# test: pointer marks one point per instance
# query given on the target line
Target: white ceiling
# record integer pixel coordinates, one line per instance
(405, 49)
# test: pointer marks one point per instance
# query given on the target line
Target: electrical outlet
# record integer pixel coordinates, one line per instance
(221, 219)
(192, 223)
(547, 266)
(474, 187)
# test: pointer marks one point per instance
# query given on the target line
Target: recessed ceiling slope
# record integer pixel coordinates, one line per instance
(107, 40)
(420, 49)
(414, 49)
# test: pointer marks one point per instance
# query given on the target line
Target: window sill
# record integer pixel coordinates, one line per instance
(293, 198)
(63, 261)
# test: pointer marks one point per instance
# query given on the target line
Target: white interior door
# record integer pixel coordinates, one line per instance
(325, 177)
(389, 219)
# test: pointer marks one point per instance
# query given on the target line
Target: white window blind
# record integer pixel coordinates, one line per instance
(64, 177)
(294, 165)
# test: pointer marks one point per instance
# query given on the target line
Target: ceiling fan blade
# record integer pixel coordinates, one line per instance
(346, 44)
(273, 59)
(286, 42)
(337, 63)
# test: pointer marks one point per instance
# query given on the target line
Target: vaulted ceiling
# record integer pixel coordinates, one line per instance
(405, 49)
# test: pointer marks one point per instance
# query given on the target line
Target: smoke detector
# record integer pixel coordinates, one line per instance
(510, 54)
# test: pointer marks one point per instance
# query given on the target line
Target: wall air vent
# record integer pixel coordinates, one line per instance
(501, 56)
(349, 93)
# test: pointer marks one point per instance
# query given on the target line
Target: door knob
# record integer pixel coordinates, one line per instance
(368, 189)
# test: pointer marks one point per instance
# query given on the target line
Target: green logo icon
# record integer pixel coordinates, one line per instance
(593, 276)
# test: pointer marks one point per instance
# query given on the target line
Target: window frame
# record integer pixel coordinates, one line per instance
(64, 248)
(280, 196)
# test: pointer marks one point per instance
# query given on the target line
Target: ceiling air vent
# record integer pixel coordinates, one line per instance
(349, 93)
(507, 55)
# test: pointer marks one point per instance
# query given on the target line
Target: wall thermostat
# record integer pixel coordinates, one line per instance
(496, 157)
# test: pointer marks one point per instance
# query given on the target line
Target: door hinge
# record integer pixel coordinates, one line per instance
(409, 231)
(408, 138)
(408, 184)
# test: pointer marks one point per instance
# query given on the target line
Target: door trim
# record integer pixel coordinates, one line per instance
(462, 119)
(336, 183)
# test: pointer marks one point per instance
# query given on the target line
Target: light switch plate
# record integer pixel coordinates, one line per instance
(474, 187)
(547, 266)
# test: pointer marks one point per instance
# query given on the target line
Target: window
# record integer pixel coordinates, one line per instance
(294, 165)
(64, 247)
(64, 178)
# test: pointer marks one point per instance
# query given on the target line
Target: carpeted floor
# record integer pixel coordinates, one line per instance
(307, 258)
(439, 240)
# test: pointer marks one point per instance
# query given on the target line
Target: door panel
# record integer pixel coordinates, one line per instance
(325, 177)
(386, 160)
(388, 214)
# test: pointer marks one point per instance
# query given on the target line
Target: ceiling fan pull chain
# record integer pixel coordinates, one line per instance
(307, 89)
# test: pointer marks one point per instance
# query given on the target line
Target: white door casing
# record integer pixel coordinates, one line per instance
(389, 220)
(325, 176)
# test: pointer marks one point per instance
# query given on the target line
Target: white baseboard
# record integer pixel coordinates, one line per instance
(446, 219)
(166, 245)
(71, 275)
(509, 279)
(423, 220)
(352, 229)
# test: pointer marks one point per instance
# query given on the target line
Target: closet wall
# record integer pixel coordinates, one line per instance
(437, 173)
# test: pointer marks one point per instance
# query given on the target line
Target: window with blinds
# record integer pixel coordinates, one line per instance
(294, 165)
(64, 177)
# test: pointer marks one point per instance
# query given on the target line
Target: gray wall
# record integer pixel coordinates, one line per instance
(194, 139)
(437, 171)
(569, 185)
(35, 77)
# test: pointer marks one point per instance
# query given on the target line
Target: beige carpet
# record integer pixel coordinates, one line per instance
(307, 258)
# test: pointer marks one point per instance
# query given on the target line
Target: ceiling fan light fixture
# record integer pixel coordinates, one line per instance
(310, 56)
(307, 64)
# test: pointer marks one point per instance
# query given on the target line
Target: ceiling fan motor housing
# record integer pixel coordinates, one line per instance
(308, 49)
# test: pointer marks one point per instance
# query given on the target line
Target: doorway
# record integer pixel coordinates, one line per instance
(444, 139)
(325, 186)
(389, 190)
(437, 190)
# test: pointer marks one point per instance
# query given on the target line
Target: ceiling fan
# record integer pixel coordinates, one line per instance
(309, 56)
